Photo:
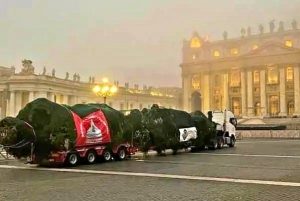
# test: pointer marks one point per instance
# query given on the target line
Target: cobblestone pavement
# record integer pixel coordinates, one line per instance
(261, 160)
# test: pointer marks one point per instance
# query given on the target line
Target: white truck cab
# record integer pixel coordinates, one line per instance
(226, 126)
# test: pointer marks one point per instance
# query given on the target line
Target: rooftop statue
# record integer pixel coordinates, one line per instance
(249, 31)
(53, 72)
(225, 35)
(44, 71)
(272, 26)
(294, 25)
(27, 69)
(243, 32)
(67, 76)
(261, 29)
(281, 26)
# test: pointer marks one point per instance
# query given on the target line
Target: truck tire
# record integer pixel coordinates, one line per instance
(121, 155)
(232, 142)
(214, 145)
(91, 156)
(220, 143)
(72, 159)
(106, 155)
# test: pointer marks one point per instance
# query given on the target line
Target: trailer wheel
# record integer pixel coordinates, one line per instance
(232, 142)
(121, 155)
(106, 155)
(220, 143)
(72, 159)
(91, 156)
(214, 145)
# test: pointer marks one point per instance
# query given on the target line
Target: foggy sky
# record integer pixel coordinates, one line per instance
(137, 41)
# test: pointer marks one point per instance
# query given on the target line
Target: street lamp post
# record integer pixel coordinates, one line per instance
(105, 89)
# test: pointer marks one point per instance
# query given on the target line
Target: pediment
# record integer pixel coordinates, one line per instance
(271, 49)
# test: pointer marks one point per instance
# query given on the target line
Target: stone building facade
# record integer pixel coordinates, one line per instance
(17, 89)
(252, 75)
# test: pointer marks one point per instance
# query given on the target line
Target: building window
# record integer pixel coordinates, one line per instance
(195, 42)
(256, 77)
(289, 43)
(257, 109)
(234, 51)
(216, 53)
(194, 57)
(254, 47)
(291, 108)
(272, 76)
(289, 74)
(235, 78)
(196, 81)
(273, 105)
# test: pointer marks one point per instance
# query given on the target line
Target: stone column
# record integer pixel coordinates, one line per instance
(250, 93)
(12, 101)
(263, 102)
(186, 92)
(225, 91)
(31, 96)
(283, 110)
(51, 96)
(296, 91)
(66, 99)
(18, 97)
(206, 93)
(243, 92)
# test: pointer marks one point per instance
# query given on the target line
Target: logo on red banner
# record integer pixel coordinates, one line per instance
(92, 129)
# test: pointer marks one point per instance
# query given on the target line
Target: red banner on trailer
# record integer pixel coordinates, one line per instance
(92, 129)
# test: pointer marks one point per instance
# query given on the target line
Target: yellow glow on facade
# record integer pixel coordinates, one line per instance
(195, 42)
(289, 43)
(254, 47)
(216, 53)
(105, 80)
(234, 51)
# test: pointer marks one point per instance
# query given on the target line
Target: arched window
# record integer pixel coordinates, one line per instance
(216, 53)
(195, 42)
(272, 75)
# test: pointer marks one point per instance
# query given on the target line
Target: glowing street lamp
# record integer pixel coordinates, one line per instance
(105, 89)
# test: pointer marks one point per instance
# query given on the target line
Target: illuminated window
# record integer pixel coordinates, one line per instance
(289, 43)
(289, 74)
(234, 51)
(235, 78)
(196, 81)
(216, 53)
(256, 77)
(195, 42)
(272, 76)
(254, 47)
